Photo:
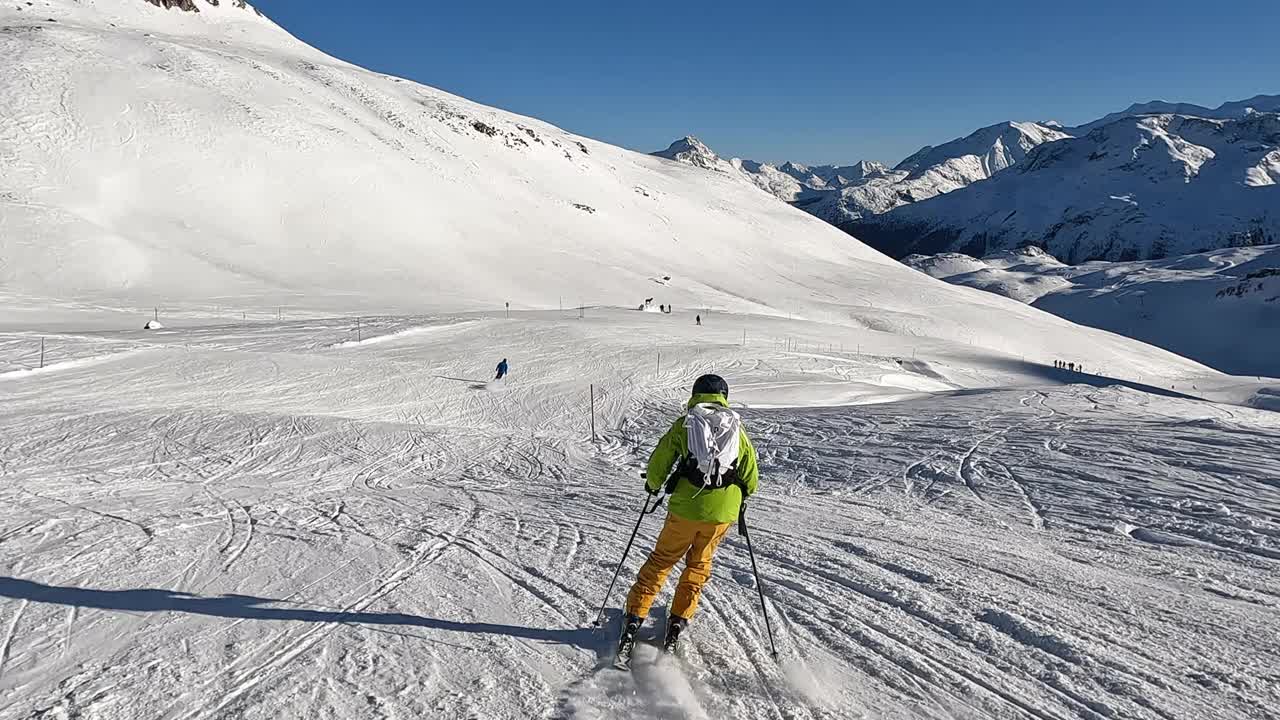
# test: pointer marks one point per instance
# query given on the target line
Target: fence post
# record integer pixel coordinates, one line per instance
(593, 413)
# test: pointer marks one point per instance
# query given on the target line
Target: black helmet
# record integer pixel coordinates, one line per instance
(711, 385)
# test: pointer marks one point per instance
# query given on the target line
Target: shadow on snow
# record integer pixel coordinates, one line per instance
(256, 608)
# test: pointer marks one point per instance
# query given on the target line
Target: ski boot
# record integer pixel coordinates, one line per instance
(627, 641)
(675, 626)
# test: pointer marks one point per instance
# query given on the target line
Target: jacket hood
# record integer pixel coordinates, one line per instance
(712, 398)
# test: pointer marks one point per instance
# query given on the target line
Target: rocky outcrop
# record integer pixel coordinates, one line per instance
(191, 6)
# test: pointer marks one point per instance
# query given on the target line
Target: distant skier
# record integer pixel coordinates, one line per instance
(697, 319)
(502, 370)
(715, 470)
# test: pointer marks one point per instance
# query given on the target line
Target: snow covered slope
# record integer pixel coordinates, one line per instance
(1145, 187)
(162, 156)
(1221, 308)
(206, 160)
(323, 512)
(275, 519)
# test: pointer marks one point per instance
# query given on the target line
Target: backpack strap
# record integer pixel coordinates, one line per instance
(688, 469)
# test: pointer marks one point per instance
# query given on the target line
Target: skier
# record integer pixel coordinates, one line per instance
(502, 370)
(697, 319)
(715, 470)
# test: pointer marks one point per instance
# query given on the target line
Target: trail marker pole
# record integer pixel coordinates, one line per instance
(359, 332)
(508, 311)
(744, 337)
(156, 314)
(659, 362)
(41, 352)
(593, 413)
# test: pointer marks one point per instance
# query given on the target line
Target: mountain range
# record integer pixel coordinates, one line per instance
(1155, 180)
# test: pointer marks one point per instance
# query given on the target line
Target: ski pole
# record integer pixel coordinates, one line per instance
(742, 529)
(646, 510)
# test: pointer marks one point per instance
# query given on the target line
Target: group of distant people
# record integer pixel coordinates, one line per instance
(1068, 366)
(665, 309)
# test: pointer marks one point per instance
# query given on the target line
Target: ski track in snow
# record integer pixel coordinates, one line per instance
(253, 523)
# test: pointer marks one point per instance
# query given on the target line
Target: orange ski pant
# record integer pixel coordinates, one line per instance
(693, 540)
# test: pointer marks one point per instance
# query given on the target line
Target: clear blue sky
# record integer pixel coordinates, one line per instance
(812, 82)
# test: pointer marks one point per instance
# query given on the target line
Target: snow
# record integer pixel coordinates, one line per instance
(306, 498)
(1220, 307)
(1156, 180)
(839, 194)
(227, 179)
(1227, 111)
(1139, 187)
(278, 527)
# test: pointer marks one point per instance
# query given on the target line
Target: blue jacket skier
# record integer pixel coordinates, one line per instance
(502, 369)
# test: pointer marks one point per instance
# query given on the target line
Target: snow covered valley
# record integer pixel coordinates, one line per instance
(264, 519)
(1218, 307)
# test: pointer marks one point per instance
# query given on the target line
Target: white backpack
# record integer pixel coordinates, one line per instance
(714, 435)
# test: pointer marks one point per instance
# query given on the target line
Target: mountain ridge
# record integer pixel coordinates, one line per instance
(1222, 156)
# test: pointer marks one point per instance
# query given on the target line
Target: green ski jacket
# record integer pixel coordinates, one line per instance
(687, 500)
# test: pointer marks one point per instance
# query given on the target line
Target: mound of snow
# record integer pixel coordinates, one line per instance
(944, 265)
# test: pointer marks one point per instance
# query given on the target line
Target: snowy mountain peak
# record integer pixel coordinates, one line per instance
(994, 148)
(869, 167)
(235, 21)
(1146, 186)
(692, 151)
